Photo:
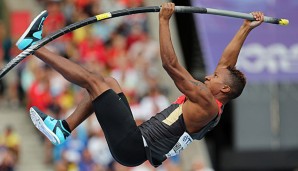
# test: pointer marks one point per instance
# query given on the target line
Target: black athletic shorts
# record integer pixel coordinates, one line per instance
(122, 134)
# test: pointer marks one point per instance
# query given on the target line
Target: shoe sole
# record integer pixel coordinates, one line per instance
(29, 28)
(39, 124)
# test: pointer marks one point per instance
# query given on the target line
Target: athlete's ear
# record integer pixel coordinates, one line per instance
(225, 89)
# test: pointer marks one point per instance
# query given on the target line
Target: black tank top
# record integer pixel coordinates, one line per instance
(166, 135)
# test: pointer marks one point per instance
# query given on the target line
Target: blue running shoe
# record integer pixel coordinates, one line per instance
(33, 32)
(50, 127)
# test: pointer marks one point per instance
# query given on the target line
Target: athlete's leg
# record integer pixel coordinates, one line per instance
(83, 110)
(113, 113)
(80, 114)
(93, 83)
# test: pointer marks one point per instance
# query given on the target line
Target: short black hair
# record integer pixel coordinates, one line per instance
(237, 82)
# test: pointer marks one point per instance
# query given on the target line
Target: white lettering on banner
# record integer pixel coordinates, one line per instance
(275, 58)
(182, 143)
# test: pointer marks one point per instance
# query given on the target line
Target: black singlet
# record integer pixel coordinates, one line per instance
(165, 133)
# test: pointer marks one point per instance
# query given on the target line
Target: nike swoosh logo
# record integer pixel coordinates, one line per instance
(52, 119)
(37, 34)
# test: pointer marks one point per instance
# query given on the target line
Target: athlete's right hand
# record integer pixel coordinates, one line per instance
(166, 11)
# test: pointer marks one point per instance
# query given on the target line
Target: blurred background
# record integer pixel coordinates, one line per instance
(257, 132)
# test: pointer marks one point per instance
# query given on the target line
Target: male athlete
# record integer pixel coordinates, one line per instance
(190, 117)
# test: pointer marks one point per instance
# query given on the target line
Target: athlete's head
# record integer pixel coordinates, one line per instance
(228, 81)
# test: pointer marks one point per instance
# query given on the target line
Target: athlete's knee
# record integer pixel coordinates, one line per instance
(92, 80)
(113, 84)
(110, 80)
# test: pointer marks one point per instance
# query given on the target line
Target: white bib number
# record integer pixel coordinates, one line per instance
(182, 143)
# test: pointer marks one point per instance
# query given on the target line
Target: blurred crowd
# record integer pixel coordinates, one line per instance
(120, 47)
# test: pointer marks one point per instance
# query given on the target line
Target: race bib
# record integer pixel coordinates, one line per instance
(182, 143)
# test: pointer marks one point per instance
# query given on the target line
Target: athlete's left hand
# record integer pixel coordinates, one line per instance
(259, 17)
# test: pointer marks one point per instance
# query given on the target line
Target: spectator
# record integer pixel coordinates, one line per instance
(92, 49)
(145, 48)
(8, 85)
(56, 19)
(99, 149)
(116, 50)
(7, 160)
(126, 75)
(5, 44)
(136, 33)
(86, 163)
(11, 141)
(3, 54)
(198, 165)
(39, 92)
(153, 103)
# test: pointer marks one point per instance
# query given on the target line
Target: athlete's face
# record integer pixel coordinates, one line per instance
(217, 81)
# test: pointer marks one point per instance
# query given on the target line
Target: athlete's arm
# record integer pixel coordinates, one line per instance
(231, 52)
(195, 90)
